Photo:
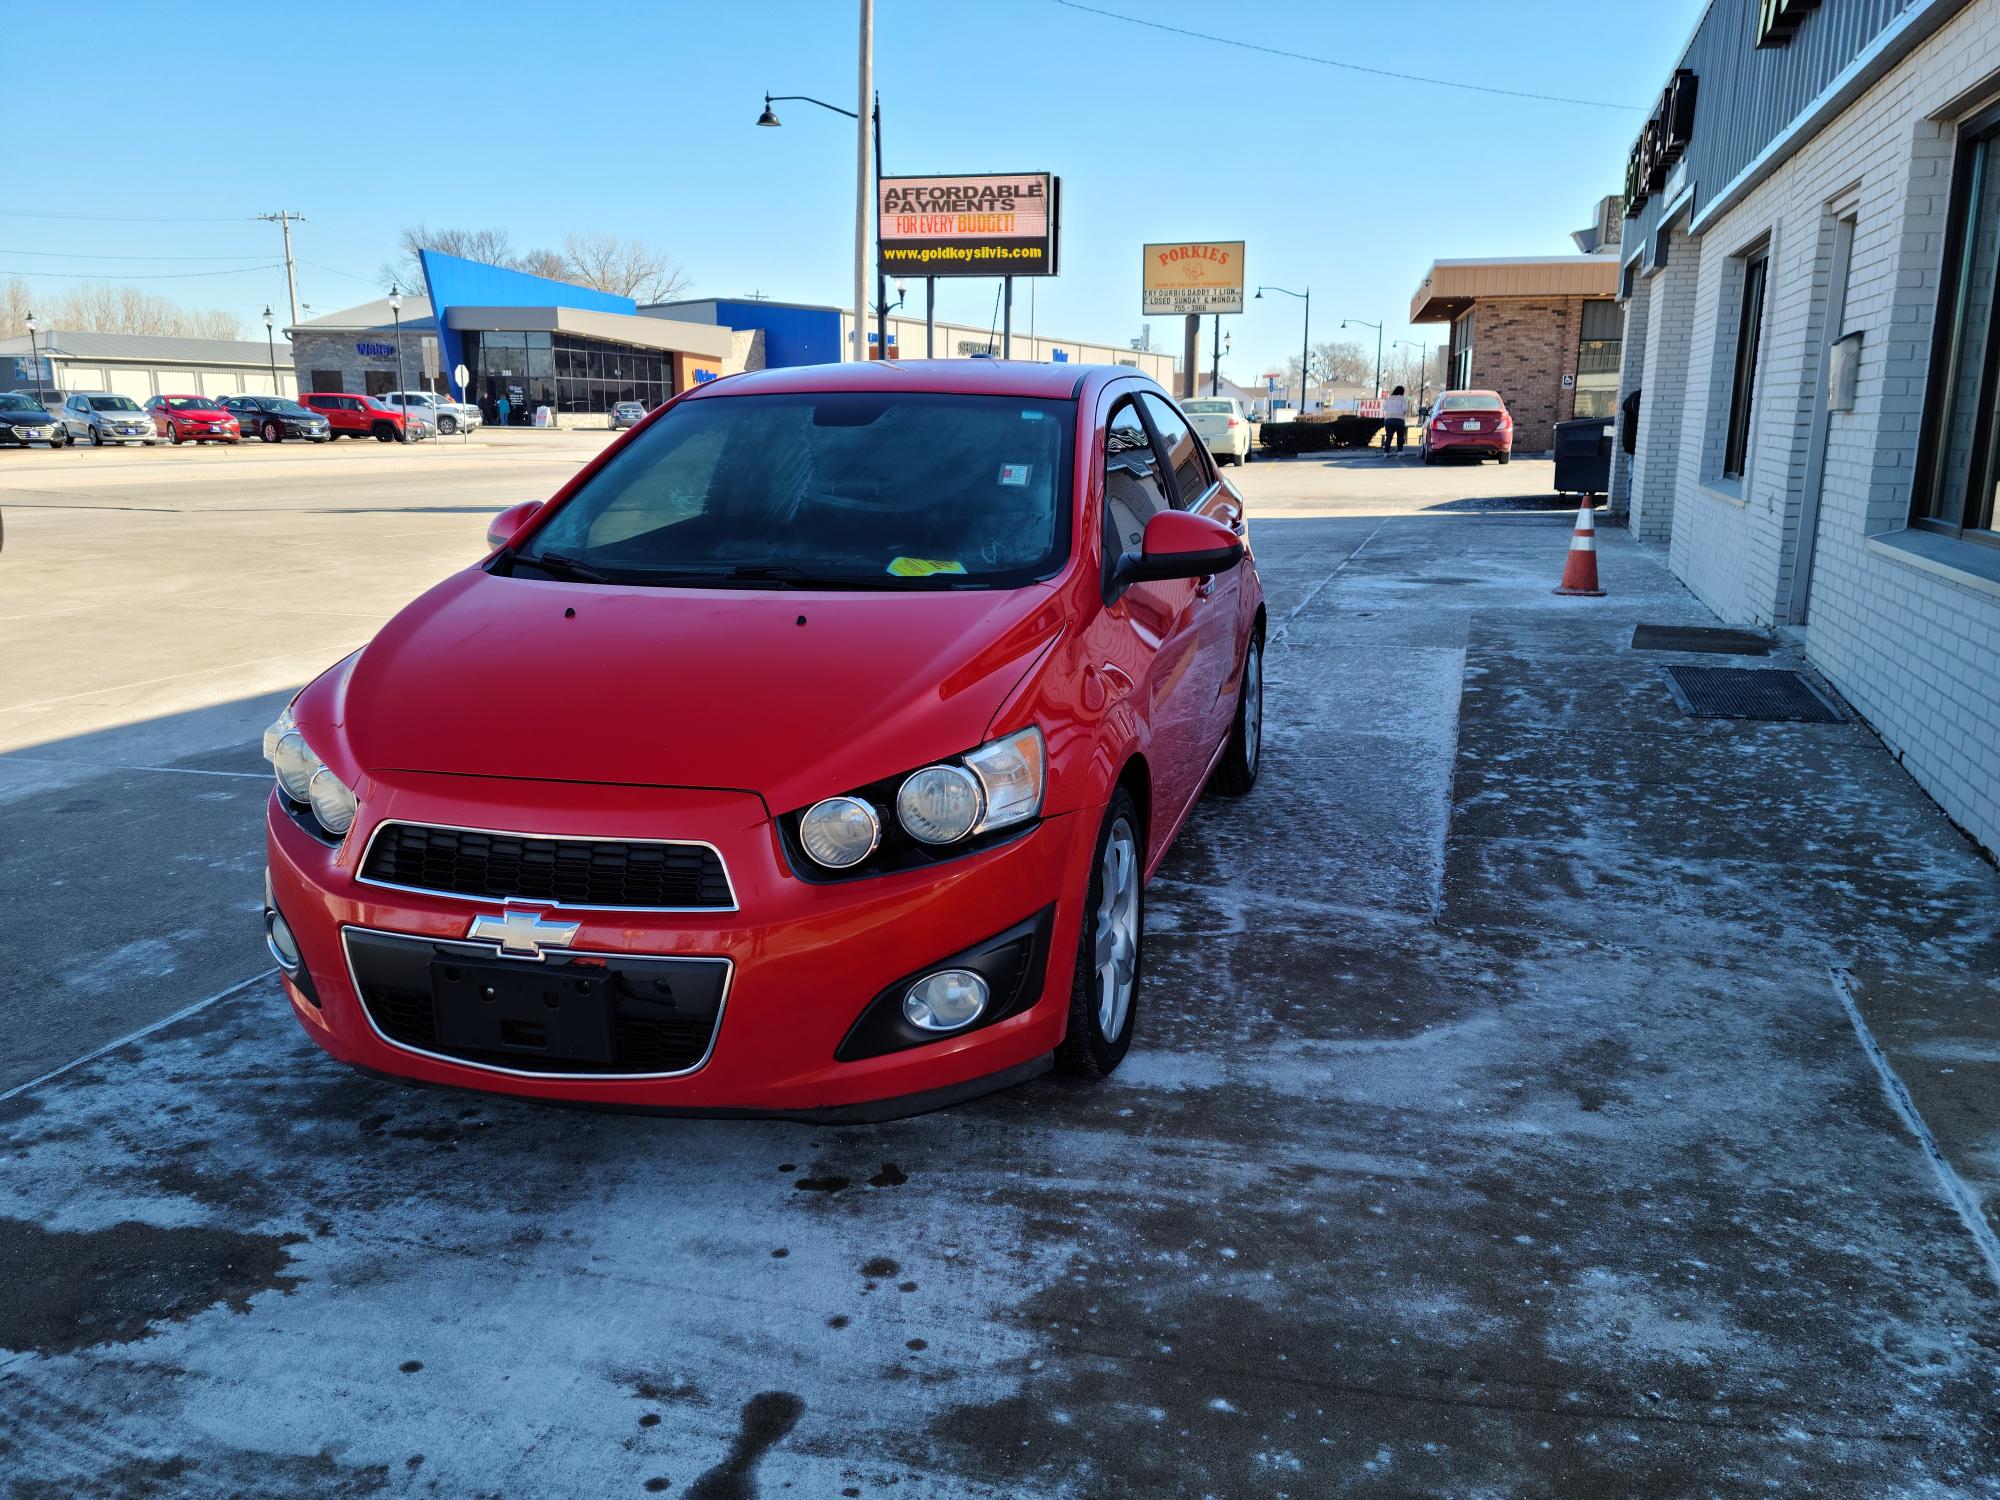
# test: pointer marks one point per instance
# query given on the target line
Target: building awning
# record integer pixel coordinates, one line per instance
(706, 339)
(1454, 285)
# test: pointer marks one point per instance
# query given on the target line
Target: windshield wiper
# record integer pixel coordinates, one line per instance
(564, 566)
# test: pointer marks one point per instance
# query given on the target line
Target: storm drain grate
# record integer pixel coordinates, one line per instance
(1714, 639)
(1750, 693)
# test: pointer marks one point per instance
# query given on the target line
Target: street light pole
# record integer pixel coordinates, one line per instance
(396, 312)
(35, 359)
(271, 342)
(864, 193)
(1423, 368)
(770, 120)
(1305, 338)
(1364, 323)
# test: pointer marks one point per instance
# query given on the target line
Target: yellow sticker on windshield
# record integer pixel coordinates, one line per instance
(923, 567)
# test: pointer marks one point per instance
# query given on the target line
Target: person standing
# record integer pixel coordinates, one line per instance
(506, 408)
(1395, 419)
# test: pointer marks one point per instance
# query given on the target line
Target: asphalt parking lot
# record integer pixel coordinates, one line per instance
(1514, 1110)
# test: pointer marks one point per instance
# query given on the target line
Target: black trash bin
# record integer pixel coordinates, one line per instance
(1583, 456)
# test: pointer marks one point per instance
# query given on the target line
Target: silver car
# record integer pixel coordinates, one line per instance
(627, 414)
(101, 417)
(443, 413)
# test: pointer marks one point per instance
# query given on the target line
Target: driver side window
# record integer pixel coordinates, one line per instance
(1132, 491)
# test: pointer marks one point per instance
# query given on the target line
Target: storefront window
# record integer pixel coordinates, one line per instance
(1600, 347)
(1957, 469)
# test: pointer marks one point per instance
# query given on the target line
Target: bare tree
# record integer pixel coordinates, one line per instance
(108, 307)
(493, 246)
(15, 305)
(549, 263)
(625, 268)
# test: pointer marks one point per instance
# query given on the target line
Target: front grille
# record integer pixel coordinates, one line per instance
(663, 1011)
(573, 872)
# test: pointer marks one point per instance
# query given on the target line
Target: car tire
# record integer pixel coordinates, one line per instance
(1506, 458)
(271, 432)
(447, 425)
(96, 438)
(1101, 1020)
(1236, 774)
(385, 432)
(173, 436)
(1247, 451)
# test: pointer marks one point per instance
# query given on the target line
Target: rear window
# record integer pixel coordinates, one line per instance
(855, 489)
(1206, 408)
(1470, 403)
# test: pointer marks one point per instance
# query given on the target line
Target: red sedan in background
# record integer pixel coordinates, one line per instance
(193, 419)
(807, 754)
(1472, 424)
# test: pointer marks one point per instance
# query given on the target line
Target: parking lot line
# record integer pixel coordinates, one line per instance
(140, 1035)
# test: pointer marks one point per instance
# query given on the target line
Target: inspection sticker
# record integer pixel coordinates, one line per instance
(923, 567)
(1015, 473)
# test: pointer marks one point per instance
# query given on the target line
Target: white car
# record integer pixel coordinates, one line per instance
(1219, 421)
(443, 413)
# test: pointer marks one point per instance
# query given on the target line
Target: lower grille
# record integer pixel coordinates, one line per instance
(572, 872)
(648, 1017)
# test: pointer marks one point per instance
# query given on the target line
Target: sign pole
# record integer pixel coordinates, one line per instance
(1190, 354)
(1007, 318)
(1215, 369)
(930, 317)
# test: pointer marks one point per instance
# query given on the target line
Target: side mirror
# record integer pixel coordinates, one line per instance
(1179, 544)
(511, 522)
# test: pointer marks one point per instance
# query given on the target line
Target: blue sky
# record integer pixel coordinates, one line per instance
(639, 119)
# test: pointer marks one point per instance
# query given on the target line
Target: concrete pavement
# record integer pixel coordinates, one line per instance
(1514, 1111)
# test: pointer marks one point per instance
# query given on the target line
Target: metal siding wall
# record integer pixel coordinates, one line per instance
(450, 282)
(1747, 96)
(792, 335)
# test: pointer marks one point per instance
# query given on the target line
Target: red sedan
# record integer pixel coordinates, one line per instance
(193, 419)
(807, 754)
(1472, 424)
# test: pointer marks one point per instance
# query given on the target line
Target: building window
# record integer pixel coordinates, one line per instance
(1749, 325)
(328, 380)
(1600, 347)
(1957, 467)
(1461, 352)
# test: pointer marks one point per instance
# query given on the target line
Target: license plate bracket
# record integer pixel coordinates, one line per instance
(528, 1010)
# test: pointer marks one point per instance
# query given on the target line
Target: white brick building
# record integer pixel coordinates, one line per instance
(1824, 183)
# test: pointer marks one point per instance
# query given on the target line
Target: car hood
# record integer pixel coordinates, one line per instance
(791, 694)
(26, 418)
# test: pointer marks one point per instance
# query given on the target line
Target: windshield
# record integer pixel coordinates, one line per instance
(113, 403)
(190, 403)
(16, 403)
(1469, 403)
(283, 407)
(853, 489)
(1206, 408)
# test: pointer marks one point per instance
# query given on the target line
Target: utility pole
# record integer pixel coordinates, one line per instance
(284, 222)
(864, 195)
(1215, 368)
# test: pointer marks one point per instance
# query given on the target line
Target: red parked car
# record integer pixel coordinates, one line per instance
(1475, 424)
(193, 419)
(357, 416)
(807, 754)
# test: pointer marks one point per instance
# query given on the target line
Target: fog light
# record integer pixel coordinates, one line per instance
(945, 1001)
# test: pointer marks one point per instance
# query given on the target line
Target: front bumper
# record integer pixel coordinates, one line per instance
(803, 960)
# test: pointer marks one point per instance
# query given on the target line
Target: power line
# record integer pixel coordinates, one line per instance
(29, 213)
(67, 255)
(1329, 62)
(335, 270)
(152, 276)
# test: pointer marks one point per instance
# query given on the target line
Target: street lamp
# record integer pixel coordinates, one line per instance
(396, 312)
(35, 359)
(770, 119)
(1305, 338)
(1364, 323)
(1423, 367)
(271, 342)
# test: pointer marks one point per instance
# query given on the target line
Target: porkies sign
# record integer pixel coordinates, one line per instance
(986, 224)
(1193, 277)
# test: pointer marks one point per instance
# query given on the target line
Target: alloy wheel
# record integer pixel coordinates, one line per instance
(1253, 703)
(1116, 941)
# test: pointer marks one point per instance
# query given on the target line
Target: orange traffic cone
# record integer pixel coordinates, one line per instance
(1580, 572)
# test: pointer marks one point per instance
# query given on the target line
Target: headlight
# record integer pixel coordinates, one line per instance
(940, 804)
(839, 832)
(1012, 773)
(332, 803)
(304, 777)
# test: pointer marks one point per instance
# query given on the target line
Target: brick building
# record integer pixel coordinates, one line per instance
(1810, 268)
(1543, 331)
